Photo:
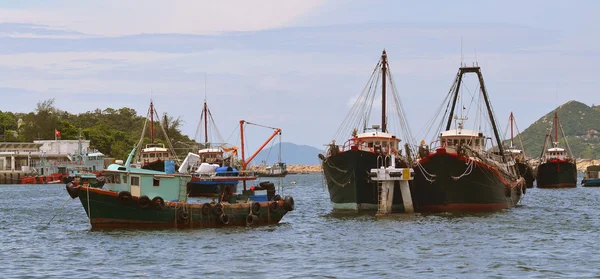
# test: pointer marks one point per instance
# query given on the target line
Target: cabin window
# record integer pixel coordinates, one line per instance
(165, 155)
(384, 143)
(449, 142)
(370, 144)
(156, 182)
(135, 181)
(152, 155)
(145, 156)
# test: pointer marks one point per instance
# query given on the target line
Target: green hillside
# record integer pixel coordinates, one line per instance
(580, 123)
(112, 131)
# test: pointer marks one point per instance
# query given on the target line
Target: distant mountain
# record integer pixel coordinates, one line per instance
(581, 125)
(291, 154)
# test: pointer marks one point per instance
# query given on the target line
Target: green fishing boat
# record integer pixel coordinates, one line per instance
(123, 196)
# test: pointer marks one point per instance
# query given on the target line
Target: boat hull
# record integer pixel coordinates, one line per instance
(462, 185)
(526, 171)
(349, 185)
(558, 174)
(590, 182)
(106, 210)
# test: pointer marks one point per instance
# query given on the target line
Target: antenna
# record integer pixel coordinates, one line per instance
(461, 52)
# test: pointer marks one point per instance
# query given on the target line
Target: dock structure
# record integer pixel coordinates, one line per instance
(386, 178)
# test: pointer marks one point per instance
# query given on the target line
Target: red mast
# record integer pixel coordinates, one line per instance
(152, 121)
(556, 127)
(205, 123)
(383, 70)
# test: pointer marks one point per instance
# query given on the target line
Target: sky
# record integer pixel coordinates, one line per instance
(296, 65)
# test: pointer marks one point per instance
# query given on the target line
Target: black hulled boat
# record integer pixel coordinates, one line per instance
(458, 171)
(346, 167)
(557, 168)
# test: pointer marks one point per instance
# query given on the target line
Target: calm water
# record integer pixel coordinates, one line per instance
(553, 233)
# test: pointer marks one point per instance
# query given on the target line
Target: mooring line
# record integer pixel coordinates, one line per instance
(58, 210)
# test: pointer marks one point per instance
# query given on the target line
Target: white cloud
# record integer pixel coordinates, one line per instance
(114, 17)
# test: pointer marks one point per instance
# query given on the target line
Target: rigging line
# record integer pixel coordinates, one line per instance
(214, 125)
(250, 123)
(167, 139)
(356, 103)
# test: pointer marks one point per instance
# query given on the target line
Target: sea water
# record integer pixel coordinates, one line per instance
(553, 233)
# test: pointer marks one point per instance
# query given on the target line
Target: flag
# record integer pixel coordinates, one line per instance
(57, 133)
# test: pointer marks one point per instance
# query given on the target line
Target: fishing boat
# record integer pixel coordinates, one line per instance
(213, 167)
(518, 154)
(277, 169)
(131, 197)
(557, 168)
(347, 166)
(154, 155)
(63, 170)
(458, 171)
(591, 177)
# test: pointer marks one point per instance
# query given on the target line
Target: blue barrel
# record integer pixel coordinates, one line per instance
(227, 171)
(169, 166)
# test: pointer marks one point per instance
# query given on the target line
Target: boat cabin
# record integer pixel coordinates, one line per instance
(451, 139)
(211, 155)
(555, 153)
(276, 168)
(142, 182)
(376, 142)
(154, 152)
(591, 172)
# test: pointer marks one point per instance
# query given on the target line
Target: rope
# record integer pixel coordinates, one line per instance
(467, 171)
(68, 199)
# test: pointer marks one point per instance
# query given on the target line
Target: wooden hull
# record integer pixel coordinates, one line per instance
(106, 210)
(557, 175)
(446, 182)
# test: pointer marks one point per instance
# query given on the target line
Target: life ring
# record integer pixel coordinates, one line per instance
(274, 206)
(182, 216)
(251, 219)
(158, 202)
(218, 209)
(224, 219)
(276, 198)
(144, 201)
(256, 208)
(124, 196)
(72, 190)
(206, 209)
(288, 203)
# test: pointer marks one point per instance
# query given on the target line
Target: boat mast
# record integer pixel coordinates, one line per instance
(152, 121)
(457, 83)
(556, 128)
(205, 124)
(383, 74)
(489, 108)
(511, 129)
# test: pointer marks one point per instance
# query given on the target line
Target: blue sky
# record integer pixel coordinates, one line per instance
(296, 65)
